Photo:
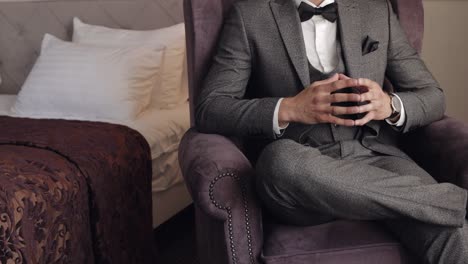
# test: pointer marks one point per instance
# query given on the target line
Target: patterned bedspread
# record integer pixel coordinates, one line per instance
(73, 192)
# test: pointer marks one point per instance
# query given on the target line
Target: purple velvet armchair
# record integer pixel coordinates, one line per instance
(231, 226)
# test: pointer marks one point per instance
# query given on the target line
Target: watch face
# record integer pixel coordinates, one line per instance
(396, 104)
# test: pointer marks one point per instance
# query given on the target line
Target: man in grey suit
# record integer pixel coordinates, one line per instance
(307, 75)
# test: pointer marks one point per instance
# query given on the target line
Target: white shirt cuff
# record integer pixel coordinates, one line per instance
(276, 128)
(401, 121)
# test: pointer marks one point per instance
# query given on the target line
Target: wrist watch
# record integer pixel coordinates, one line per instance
(396, 106)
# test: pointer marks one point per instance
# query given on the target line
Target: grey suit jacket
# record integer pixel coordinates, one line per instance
(261, 57)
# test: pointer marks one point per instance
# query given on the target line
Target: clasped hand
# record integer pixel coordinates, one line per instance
(314, 104)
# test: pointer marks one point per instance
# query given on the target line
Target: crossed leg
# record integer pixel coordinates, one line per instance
(432, 243)
(296, 181)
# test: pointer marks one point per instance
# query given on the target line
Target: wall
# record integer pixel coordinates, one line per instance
(445, 51)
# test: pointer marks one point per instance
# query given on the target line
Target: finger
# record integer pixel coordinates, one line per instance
(332, 87)
(367, 108)
(344, 110)
(339, 121)
(366, 119)
(365, 82)
(333, 78)
(343, 77)
(368, 96)
(344, 97)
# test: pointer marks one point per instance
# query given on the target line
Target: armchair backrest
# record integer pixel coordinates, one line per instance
(411, 16)
(204, 20)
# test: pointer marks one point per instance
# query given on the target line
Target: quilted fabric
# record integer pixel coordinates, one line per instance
(44, 215)
(73, 191)
(23, 24)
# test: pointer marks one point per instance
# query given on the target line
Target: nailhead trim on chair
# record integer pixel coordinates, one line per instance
(229, 212)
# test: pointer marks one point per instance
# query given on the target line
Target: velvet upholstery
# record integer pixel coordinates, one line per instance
(354, 241)
(441, 149)
(219, 178)
(203, 23)
(231, 227)
(411, 16)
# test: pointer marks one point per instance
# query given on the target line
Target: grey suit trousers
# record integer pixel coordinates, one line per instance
(306, 185)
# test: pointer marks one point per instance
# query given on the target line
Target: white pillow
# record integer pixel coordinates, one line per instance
(76, 81)
(171, 90)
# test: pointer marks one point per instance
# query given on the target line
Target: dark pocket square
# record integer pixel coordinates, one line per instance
(369, 45)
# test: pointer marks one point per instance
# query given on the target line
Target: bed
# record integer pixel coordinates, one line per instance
(70, 194)
(169, 192)
(22, 25)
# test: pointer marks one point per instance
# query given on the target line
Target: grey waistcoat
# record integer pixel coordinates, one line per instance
(322, 134)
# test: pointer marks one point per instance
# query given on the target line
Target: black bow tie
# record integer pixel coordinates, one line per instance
(329, 12)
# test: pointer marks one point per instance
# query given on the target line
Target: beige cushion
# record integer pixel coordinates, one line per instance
(85, 82)
(170, 91)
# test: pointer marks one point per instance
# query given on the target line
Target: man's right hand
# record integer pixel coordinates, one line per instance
(313, 104)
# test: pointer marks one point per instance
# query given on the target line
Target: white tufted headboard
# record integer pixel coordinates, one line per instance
(23, 24)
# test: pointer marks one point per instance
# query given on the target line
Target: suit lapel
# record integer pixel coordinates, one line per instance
(350, 31)
(289, 25)
(284, 12)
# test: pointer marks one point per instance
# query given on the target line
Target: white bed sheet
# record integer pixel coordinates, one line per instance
(163, 129)
(6, 102)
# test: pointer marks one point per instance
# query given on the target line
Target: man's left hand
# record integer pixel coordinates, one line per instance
(379, 102)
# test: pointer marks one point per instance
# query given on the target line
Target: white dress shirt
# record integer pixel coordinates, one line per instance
(320, 44)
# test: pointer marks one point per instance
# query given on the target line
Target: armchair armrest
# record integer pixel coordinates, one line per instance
(220, 180)
(441, 148)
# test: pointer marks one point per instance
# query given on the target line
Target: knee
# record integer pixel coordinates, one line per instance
(275, 158)
(278, 161)
(273, 172)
